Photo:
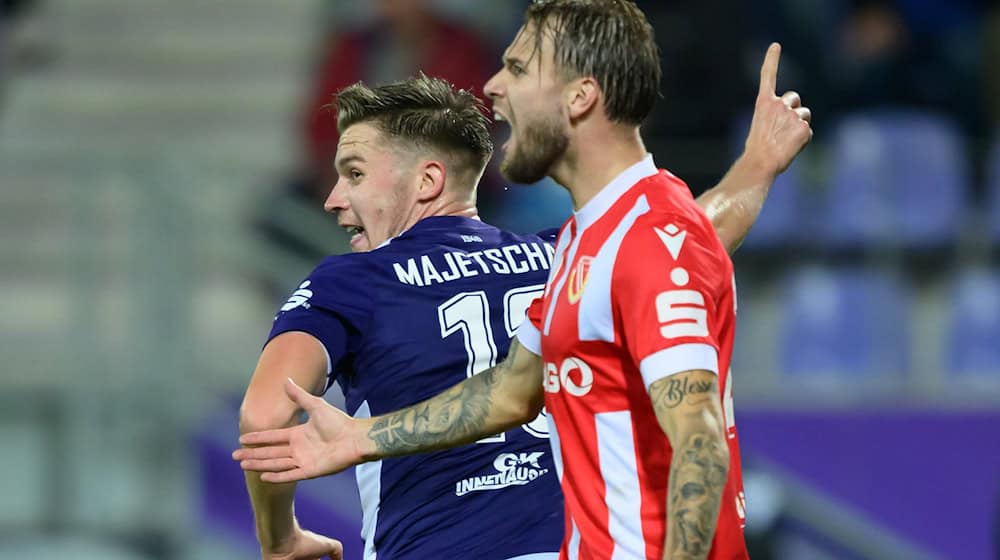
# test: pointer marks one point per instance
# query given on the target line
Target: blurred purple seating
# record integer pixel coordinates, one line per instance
(851, 322)
(973, 343)
(896, 179)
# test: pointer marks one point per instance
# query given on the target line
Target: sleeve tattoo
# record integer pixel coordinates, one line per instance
(698, 470)
(454, 417)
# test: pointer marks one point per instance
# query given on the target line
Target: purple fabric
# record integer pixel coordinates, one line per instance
(930, 477)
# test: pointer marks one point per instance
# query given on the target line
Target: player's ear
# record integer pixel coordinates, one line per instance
(582, 95)
(432, 178)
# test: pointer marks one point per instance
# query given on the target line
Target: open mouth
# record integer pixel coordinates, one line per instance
(356, 233)
(497, 117)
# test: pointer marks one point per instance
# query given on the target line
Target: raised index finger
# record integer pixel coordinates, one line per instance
(769, 70)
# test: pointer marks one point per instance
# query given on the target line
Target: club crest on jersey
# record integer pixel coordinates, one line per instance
(577, 280)
(673, 237)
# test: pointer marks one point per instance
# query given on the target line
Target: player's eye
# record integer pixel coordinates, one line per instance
(355, 175)
(515, 69)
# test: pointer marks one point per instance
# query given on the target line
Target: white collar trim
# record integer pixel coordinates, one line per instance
(618, 186)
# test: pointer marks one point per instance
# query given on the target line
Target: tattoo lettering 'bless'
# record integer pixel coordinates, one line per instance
(673, 391)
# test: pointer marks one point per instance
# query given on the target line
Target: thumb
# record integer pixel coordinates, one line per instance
(300, 396)
(333, 549)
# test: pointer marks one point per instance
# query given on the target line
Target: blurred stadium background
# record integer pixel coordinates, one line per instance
(160, 178)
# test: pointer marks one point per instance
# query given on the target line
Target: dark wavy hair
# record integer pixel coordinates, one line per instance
(609, 40)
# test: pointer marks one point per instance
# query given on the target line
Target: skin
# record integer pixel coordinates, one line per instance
(385, 188)
(540, 107)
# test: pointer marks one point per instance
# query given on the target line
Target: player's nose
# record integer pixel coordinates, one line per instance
(493, 88)
(336, 202)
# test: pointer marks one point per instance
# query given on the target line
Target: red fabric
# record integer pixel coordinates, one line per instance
(622, 294)
(455, 54)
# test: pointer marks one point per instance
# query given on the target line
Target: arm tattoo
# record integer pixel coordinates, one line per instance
(698, 469)
(456, 416)
(672, 391)
(697, 477)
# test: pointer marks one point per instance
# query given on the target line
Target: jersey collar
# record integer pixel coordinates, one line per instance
(430, 222)
(593, 210)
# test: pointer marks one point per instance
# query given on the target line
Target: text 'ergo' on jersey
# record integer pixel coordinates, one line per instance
(642, 289)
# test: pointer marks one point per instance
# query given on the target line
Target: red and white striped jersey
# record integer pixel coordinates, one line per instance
(641, 289)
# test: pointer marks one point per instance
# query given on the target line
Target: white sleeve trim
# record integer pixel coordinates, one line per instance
(329, 362)
(678, 359)
(529, 337)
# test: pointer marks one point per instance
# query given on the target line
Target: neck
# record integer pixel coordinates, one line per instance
(596, 160)
(446, 207)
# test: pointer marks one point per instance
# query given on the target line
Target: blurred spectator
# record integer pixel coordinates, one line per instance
(991, 63)
(403, 38)
(908, 53)
(406, 37)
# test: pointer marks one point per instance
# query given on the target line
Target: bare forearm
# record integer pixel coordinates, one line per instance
(688, 408)
(294, 355)
(272, 503)
(273, 510)
(698, 474)
(735, 203)
(480, 406)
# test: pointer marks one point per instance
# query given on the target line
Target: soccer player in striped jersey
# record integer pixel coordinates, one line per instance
(629, 346)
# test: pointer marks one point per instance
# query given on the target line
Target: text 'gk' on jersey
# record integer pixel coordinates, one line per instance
(405, 322)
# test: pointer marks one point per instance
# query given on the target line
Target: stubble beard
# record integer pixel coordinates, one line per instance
(542, 143)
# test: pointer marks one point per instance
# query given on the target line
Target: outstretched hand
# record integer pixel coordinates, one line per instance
(780, 128)
(322, 445)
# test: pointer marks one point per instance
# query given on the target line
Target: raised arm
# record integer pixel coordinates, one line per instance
(688, 409)
(487, 403)
(779, 130)
(291, 355)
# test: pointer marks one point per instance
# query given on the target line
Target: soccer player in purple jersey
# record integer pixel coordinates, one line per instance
(431, 296)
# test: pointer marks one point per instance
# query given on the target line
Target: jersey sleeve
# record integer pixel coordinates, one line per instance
(329, 306)
(667, 282)
(529, 334)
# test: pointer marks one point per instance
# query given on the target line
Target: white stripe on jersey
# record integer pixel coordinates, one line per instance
(529, 337)
(562, 243)
(369, 476)
(573, 548)
(561, 281)
(596, 322)
(554, 443)
(616, 453)
(678, 359)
